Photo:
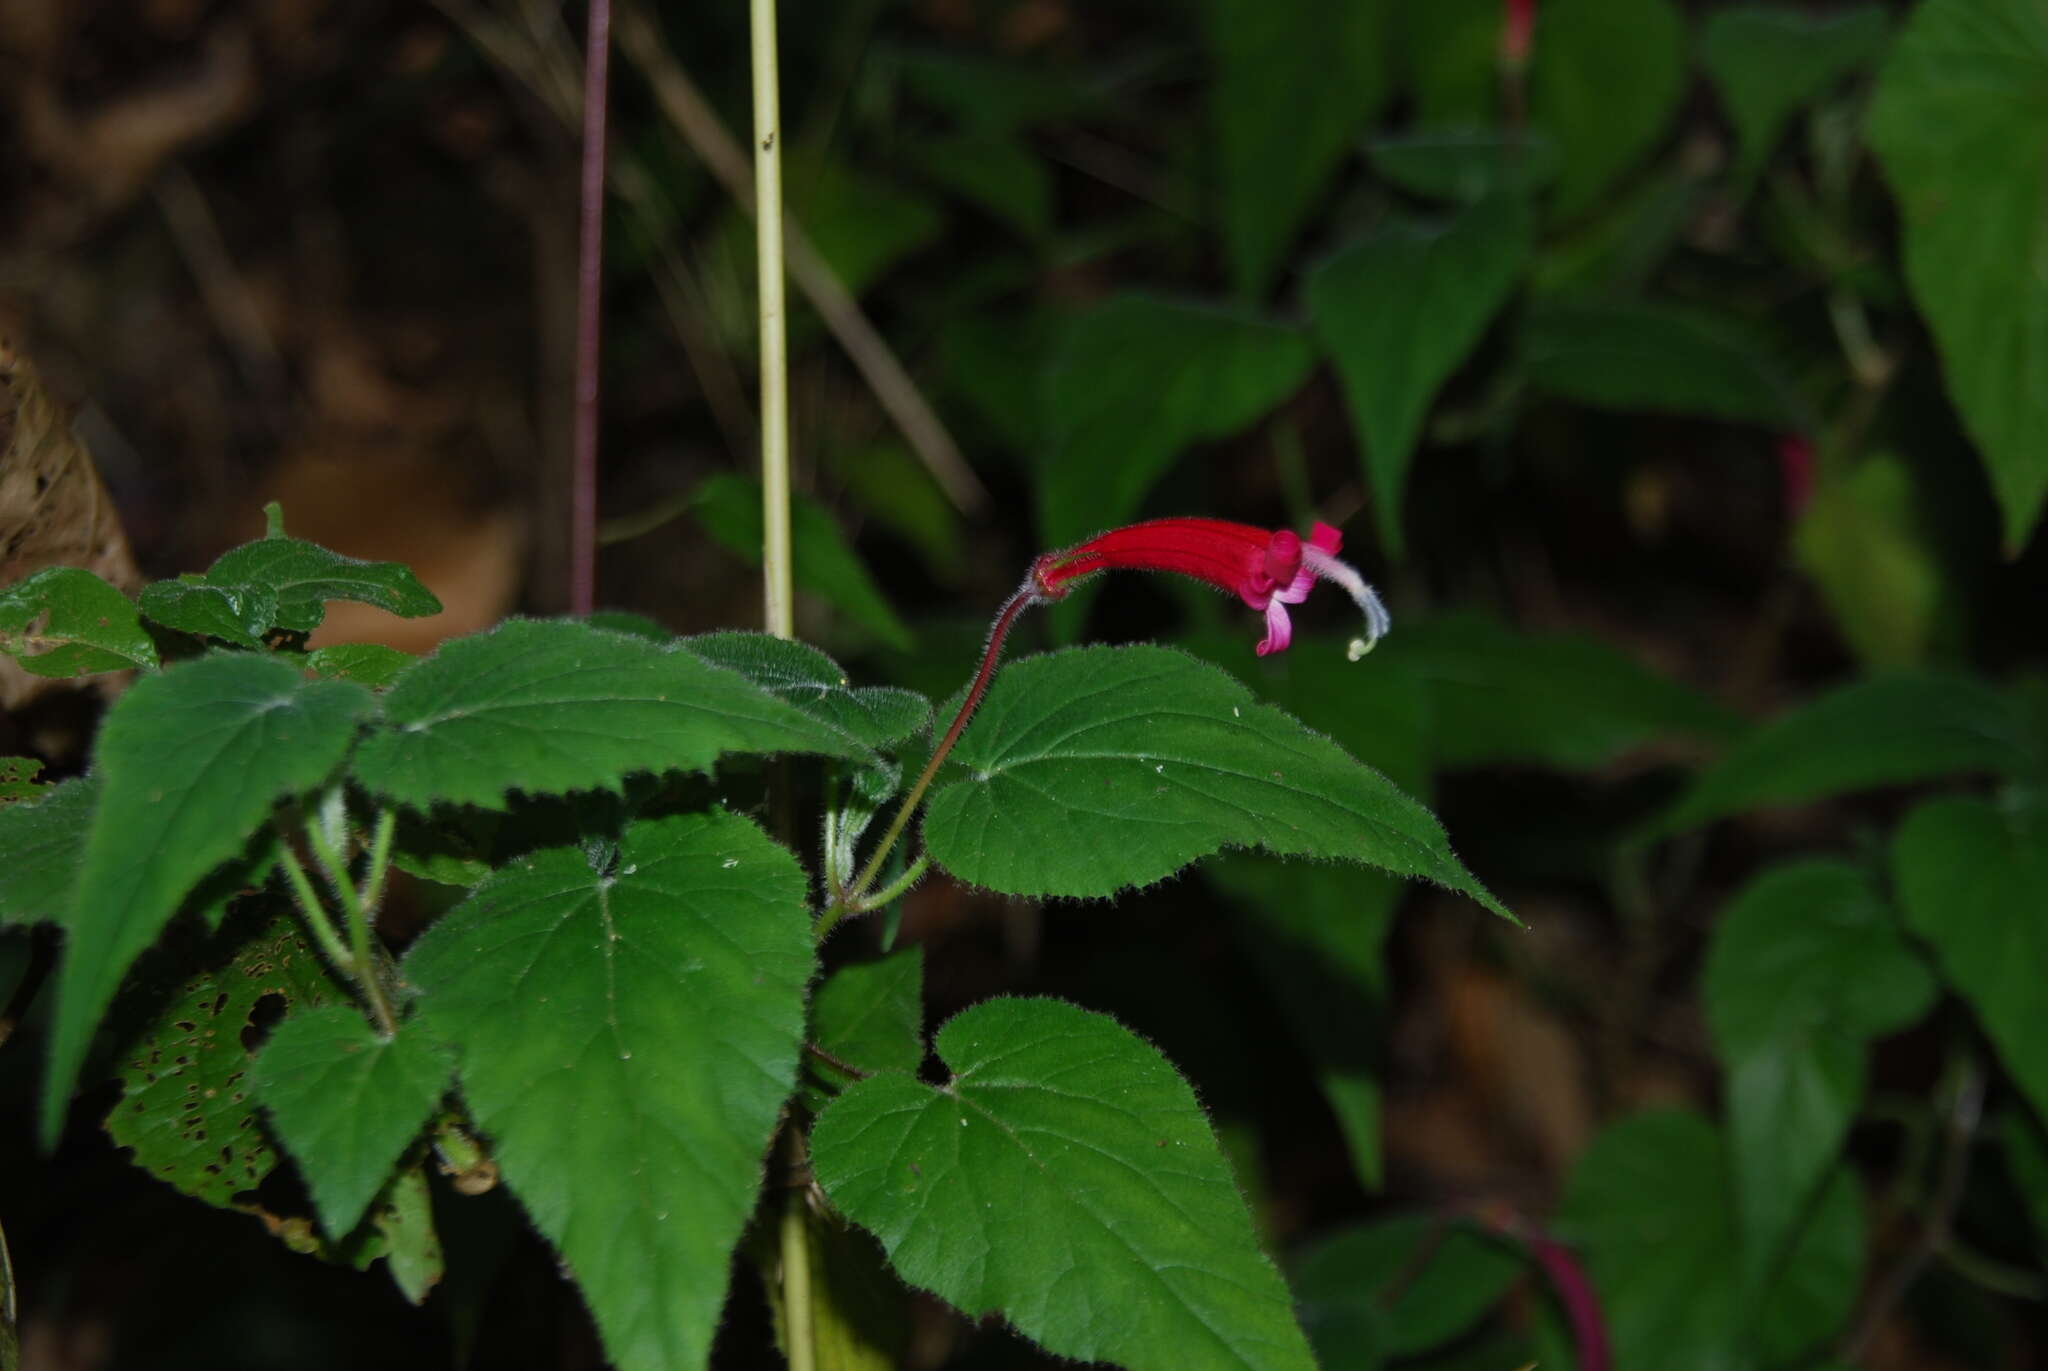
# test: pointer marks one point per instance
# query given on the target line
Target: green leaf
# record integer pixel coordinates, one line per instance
(1134, 383)
(190, 763)
(1810, 946)
(370, 664)
(65, 621)
(1616, 249)
(1862, 539)
(1381, 716)
(1065, 1178)
(1398, 1288)
(553, 706)
(1605, 78)
(627, 1033)
(1094, 769)
(404, 1219)
(1499, 695)
(814, 683)
(1636, 355)
(188, 1109)
(234, 614)
(1970, 877)
(870, 1015)
(1453, 61)
(18, 781)
(822, 562)
(1399, 311)
(1465, 166)
(632, 625)
(1283, 126)
(1648, 1202)
(1960, 125)
(1806, 966)
(41, 845)
(1767, 61)
(305, 576)
(346, 1101)
(1882, 730)
(861, 224)
(998, 174)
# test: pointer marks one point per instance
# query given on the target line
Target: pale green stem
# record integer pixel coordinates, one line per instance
(848, 903)
(361, 963)
(777, 580)
(380, 863)
(317, 923)
(798, 1323)
(775, 554)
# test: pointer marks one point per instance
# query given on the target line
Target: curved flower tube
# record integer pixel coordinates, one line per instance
(1267, 569)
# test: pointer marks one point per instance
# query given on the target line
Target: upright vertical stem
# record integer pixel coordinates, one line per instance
(775, 557)
(799, 1326)
(589, 292)
(799, 1331)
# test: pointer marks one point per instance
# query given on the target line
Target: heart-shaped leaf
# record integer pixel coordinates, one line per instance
(1067, 1179)
(1094, 769)
(627, 1031)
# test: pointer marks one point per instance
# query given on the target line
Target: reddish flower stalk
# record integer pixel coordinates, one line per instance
(1517, 33)
(1267, 569)
(1795, 472)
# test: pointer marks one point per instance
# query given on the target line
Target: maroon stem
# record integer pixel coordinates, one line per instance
(1027, 594)
(589, 312)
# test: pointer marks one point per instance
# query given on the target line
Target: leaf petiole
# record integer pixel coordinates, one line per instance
(360, 961)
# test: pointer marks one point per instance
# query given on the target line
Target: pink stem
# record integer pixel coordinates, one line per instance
(589, 310)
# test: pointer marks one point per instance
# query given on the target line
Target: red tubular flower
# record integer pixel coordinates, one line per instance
(1268, 570)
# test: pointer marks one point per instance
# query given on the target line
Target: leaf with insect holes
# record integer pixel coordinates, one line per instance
(65, 621)
(1067, 1179)
(553, 706)
(626, 1023)
(1094, 769)
(188, 1110)
(345, 1101)
(189, 763)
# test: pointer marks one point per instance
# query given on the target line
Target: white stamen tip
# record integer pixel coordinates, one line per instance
(1377, 621)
